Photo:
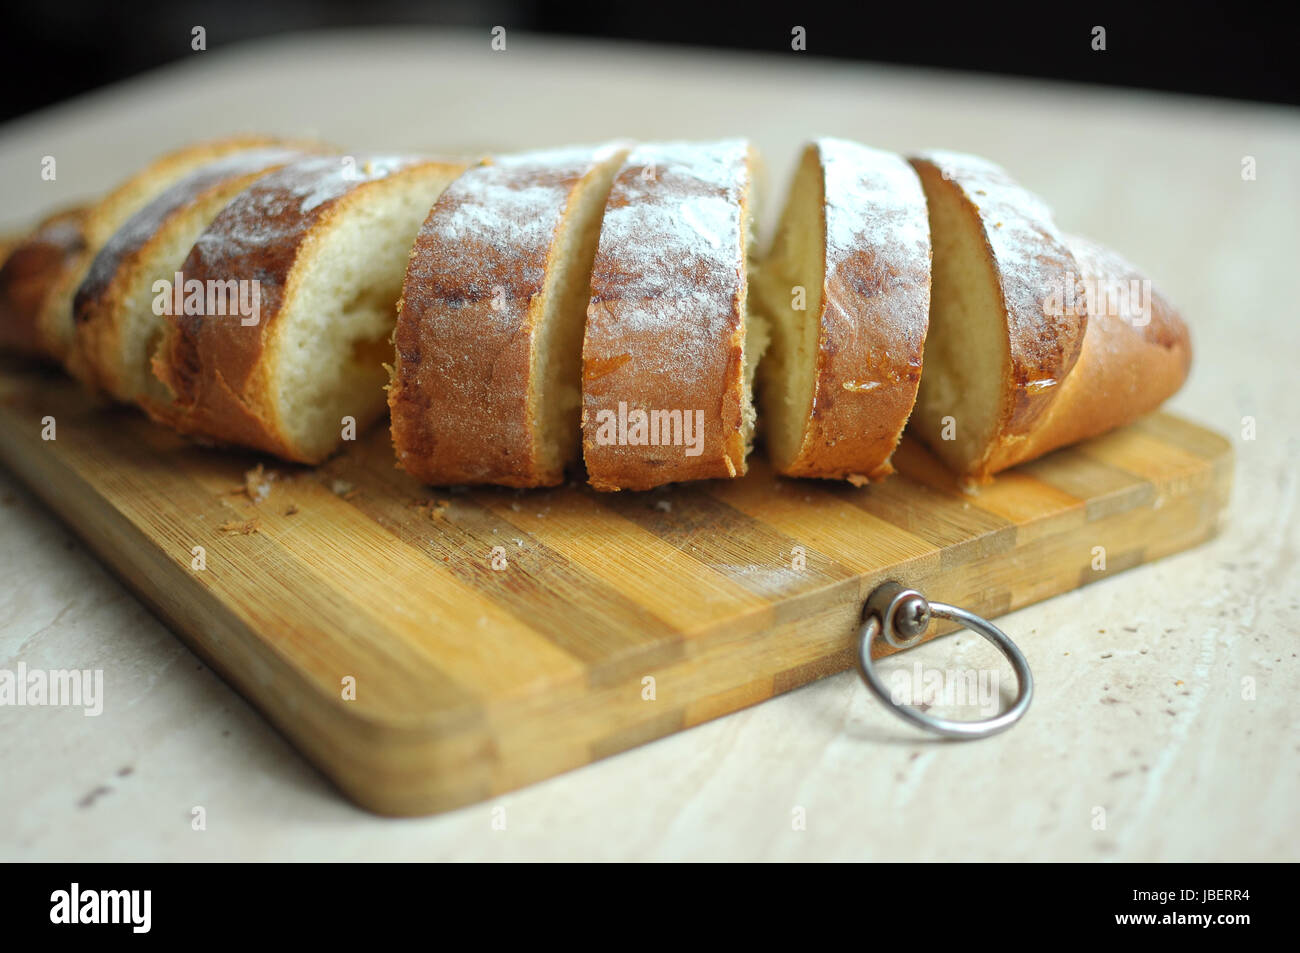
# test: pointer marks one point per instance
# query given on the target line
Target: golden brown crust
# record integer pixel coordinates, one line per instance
(1135, 355)
(104, 217)
(33, 267)
(1037, 280)
(665, 329)
(875, 309)
(462, 397)
(99, 304)
(216, 368)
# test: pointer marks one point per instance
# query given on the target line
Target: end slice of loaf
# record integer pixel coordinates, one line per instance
(327, 240)
(487, 382)
(1006, 320)
(671, 348)
(34, 266)
(1136, 354)
(847, 289)
(106, 216)
(117, 315)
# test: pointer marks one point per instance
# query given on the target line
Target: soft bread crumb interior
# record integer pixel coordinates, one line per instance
(797, 260)
(966, 357)
(758, 337)
(331, 342)
(557, 352)
(755, 333)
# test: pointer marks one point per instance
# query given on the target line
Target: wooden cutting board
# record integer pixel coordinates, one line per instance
(496, 637)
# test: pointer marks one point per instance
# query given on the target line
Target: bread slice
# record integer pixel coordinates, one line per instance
(487, 383)
(327, 240)
(1006, 318)
(106, 216)
(118, 310)
(32, 268)
(670, 350)
(847, 289)
(1136, 354)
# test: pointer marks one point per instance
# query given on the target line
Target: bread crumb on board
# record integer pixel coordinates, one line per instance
(240, 527)
(436, 509)
(256, 485)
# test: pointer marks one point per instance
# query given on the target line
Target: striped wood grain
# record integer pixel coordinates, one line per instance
(470, 680)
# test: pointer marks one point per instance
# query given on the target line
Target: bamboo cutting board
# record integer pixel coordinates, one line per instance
(492, 638)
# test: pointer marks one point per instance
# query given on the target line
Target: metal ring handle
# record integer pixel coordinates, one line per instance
(902, 615)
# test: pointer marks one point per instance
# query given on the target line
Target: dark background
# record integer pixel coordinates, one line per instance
(54, 49)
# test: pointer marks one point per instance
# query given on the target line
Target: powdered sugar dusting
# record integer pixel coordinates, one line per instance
(513, 205)
(276, 210)
(339, 174)
(873, 201)
(877, 231)
(490, 232)
(671, 247)
(497, 207)
(704, 216)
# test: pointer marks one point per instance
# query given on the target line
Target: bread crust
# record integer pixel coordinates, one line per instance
(218, 371)
(875, 310)
(33, 267)
(100, 302)
(103, 218)
(665, 328)
(464, 393)
(1038, 287)
(1135, 355)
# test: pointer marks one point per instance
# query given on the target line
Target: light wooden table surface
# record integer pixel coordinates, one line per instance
(1139, 709)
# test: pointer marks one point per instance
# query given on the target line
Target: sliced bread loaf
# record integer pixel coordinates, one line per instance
(136, 277)
(487, 383)
(847, 289)
(326, 241)
(1006, 325)
(1035, 340)
(33, 267)
(671, 348)
(1136, 354)
(106, 216)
